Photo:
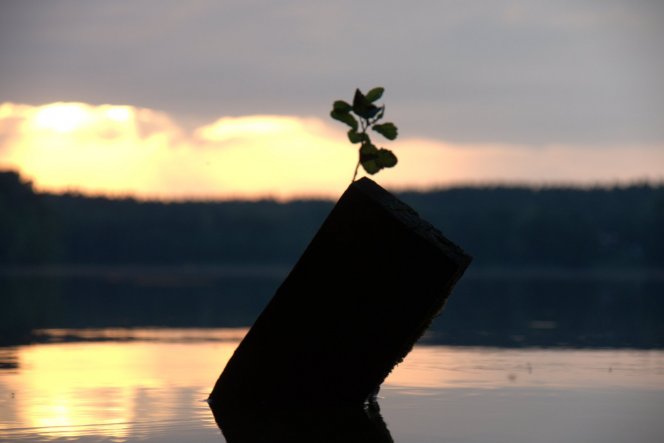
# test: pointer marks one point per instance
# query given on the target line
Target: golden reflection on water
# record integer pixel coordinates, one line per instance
(114, 387)
(72, 386)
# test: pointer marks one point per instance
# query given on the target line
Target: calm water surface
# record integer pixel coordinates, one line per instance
(150, 385)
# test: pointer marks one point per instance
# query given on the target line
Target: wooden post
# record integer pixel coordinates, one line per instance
(365, 289)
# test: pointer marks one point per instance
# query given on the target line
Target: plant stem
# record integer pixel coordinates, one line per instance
(356, 169)
(364, 124)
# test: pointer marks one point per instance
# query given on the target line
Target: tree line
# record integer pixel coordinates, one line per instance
(498, 225)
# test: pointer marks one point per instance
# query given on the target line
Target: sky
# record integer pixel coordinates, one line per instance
(230, 99)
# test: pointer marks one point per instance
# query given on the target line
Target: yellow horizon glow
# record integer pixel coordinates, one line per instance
(122, 150)
(63, 118)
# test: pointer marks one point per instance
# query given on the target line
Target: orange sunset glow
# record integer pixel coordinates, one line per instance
(123, 150)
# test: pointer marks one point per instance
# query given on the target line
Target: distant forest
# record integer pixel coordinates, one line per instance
(499, 226)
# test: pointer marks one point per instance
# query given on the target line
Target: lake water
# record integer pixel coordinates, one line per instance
(129, 354)
(150, 384)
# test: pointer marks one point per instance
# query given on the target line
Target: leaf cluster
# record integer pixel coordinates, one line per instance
(364, 114)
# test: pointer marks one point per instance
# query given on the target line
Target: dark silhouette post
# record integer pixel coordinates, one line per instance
(365, 289)
(315, 424)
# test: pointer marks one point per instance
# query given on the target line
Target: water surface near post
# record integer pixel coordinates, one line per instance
(150, 385)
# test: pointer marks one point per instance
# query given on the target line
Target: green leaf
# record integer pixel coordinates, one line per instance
(387, 130)
(380, 113)
(357, 137)
(344, 117)
(386, 158)
(373, 159)
(363, 107)
(341, 106)
(375, 94)
(371, 166)
(369, 158)
(368, 149)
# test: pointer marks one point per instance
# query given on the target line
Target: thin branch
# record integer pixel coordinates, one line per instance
(356, 169)
(364, 124)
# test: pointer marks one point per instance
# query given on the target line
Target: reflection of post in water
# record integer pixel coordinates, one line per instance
(314, 423)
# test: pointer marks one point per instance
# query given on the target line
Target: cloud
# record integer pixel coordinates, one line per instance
(128, 150)
(79, 146)
(124, 150)
(493, 71)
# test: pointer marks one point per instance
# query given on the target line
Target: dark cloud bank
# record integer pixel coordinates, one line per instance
(536, 72)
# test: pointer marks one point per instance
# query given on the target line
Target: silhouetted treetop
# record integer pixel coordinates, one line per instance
(504, 226)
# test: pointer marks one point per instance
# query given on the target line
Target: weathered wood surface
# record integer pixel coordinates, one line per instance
(365, 289)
